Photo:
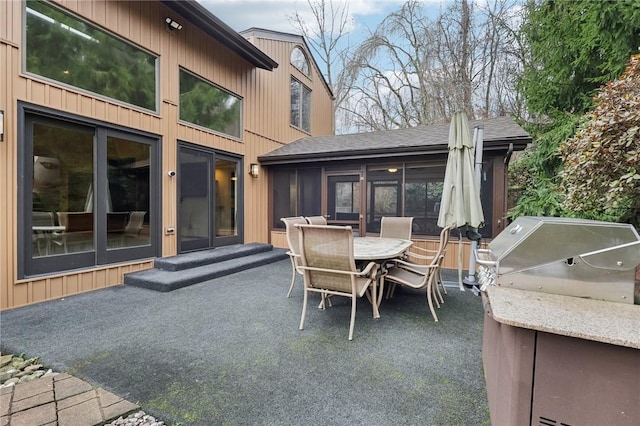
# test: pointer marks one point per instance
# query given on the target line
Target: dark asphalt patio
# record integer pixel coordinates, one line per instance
(229, 352)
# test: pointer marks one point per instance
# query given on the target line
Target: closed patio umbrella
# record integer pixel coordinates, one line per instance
(460, 205)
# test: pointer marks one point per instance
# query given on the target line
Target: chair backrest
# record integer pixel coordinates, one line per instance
(442, 248)
(42, 219)
(76, 221)
(316, 220)
(327, 248)
(134, 225)
(396, 227)
(292, 232)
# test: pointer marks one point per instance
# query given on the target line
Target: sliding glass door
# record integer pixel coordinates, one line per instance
(208, 199)
(89, 195)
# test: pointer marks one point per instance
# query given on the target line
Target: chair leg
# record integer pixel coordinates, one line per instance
(435, 290)
(434, 295)
(390, 290)
(304, 309)
(293, 277)
(353, 317)
(440, 282)
(429, 291)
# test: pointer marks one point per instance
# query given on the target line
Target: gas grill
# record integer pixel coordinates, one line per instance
(571, 257)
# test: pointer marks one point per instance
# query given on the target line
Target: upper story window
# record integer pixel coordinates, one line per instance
(64, 48)
(300, 105)
(300, 61)
(206, 105)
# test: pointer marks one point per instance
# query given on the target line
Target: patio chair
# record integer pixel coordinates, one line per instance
(415, 276)
(396, 227)
(316, 220)
(425, 256)
(133, 227)
(293, 240)
(328, 266)
(42, 239)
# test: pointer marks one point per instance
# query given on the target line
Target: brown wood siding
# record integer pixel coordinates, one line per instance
(321, 102)
(265, 125)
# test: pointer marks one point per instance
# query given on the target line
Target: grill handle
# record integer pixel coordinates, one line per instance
(487, 252)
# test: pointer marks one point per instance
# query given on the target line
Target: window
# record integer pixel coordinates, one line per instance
(423, 191)
(67, 49)
(300, 105)
(88, 195)
(295, 193)
(206, 105)
(299, 60)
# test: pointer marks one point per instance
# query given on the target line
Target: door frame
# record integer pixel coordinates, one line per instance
(213, 240)
(360, 222)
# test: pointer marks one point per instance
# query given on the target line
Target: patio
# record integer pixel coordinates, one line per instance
(229, 351)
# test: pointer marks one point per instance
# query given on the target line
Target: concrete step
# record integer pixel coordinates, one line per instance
(168, 280)
(207, 257)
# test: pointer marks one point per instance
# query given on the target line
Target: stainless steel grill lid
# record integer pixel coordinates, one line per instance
(574, 257)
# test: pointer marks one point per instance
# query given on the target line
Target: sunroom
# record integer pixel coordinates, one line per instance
(356, 179)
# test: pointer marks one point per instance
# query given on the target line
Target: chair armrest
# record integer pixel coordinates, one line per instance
(419, 256)
(412, 267)
(371, 267)
(424, 250)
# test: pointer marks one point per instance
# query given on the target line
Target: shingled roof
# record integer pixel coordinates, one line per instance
(499, 133)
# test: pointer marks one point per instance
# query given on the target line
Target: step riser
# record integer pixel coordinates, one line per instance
(210, 257)
(165, 281)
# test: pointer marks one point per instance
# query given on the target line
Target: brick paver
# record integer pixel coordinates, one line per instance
(35, 416)
(61, 400)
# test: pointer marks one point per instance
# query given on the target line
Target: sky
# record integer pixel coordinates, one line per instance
(272, 14)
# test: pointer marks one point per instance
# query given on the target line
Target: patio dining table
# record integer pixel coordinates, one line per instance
(379, 250)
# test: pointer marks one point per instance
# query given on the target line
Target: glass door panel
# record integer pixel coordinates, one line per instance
(384, 194)
(226, 198)
(344, 200)
(195, 204)
(128, 193)
(62, 206)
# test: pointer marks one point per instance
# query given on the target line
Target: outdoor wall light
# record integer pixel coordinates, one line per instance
(254, 170)
(172, 25)
(392, 170)
(1, 125)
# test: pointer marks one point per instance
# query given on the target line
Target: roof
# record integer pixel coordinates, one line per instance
(289, 38)
(498, 135)
(199, 16)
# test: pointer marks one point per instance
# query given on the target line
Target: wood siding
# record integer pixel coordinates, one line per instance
(266, 126)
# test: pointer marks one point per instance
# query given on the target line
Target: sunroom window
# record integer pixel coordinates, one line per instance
(67, 49)
(207, 105)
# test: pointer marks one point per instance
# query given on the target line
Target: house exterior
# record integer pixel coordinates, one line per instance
(362, 177)
(128, 132)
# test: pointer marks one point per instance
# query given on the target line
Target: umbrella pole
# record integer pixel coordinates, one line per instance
(478, 142)
(460, 261)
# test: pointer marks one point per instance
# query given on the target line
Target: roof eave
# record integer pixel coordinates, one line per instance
(502, 145)
(198, 15)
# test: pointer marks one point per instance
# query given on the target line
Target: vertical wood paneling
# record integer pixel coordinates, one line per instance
(265, 120)
(72, 284)
(56, 287)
